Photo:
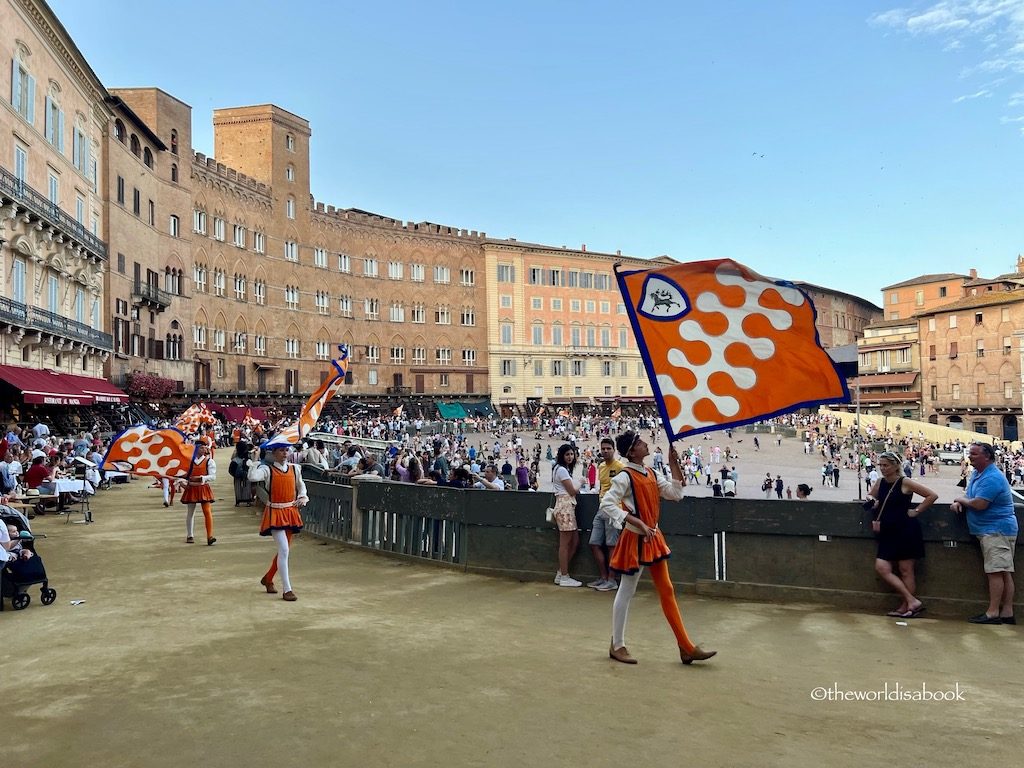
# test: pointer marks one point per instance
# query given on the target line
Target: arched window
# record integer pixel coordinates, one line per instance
(136, 146)
(119, 130)
(174, 142)
(147, 157)
(174, 172)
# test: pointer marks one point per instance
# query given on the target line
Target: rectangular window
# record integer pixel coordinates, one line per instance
(219, 228)
(894, 298)
(80, 211)
(931, 351)
(574, 305)
(397, 313)
(606, 308)
(556, 305)
(468, 316)
(505, 301)
(506, 273)
(152, 213)
(320, 258)
(579, 367)
(469, 357)
(396, 270)
(323, 350)
(508, 367)
(218, 339)
(953, 351)
(369, 268)
(238, 235)
(344, 262)
(1008, 390)
(259, 291)
(467, 277)
(556, 368)
(442, 275)
(934, 392)
(535, 303)
(980, 348)
(980, 391)
(555, 278)
(419, 313)
(589, 307)
(602, 282)
(442, 380)
(978, 318)
(586, 279)
(952, 321)
(23, 92)
(419, 355)
(919, 298)
(444, 356)
(903, 356)
(556, 335)
(536, 276)
(1004, 315)
(174, 226)
(120, 190)
(54, 294)
(259, 242)
(372, 309)
(574, 336)
(345, 306)
(557, 390)
(240, 287)
(54, 190)
(623, 338)
(291, 250)
(506, 333)
(416, 273)
(606, 371)
(260, 345)
(443, 316)
(606, 337)
(136, 202)
(574, 278)
(538, 369)
(198, 217)
(1007, 345)
(398, 355)
(538, 335)
(623, 372)
(942, 291)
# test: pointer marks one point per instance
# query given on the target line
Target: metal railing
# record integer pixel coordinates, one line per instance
(152, 294)
(36, 319)
(41, 205)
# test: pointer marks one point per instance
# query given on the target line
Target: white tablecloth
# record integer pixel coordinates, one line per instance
(74, 486)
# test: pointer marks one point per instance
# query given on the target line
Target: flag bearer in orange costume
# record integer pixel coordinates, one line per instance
(633, 503)
(198, 491)
(281, 516)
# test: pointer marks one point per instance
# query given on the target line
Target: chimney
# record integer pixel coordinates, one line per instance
(974, 273)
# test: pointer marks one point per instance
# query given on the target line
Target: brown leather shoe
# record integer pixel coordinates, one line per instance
(190, 540)
(695, 655)
(620, 654)
(269, 584)
(289, 596)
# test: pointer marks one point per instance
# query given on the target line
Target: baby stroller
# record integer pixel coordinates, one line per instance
(15, 575)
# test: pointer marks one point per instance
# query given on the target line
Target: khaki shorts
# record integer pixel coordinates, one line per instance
(997, 549)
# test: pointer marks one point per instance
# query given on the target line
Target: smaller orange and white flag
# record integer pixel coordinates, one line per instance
(150, 452)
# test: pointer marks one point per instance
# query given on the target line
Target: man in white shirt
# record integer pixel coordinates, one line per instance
(490, 480)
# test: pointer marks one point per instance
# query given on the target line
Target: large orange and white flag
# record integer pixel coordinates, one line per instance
(194, 417)
(725, 346)
(150, 452)
(315, 405)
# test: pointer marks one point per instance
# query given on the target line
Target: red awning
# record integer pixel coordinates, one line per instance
(886, 380)
(46, 387)
(101, 389)
(237, 412)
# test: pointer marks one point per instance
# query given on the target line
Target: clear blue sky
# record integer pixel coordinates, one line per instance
(849, 144)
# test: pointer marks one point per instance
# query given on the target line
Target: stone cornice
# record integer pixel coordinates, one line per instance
(53, 32)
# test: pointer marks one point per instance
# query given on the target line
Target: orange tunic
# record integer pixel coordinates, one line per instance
(282, 513)
(633, 550)
(196, 491)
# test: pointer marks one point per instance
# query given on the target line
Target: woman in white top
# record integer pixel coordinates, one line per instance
(565, 491)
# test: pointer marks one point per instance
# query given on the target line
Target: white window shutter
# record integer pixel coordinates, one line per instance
(60, 131)
(15, 86)
(31, 100)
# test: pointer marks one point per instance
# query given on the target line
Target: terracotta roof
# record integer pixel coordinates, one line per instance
(925, 279)
(987, 299)
(885, 380)
(836, 292)
(892, 323)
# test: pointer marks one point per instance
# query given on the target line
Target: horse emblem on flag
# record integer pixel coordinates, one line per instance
(725, 346)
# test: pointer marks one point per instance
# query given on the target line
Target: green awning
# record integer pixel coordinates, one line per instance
(450, 410)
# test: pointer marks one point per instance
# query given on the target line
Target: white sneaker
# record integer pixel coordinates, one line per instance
(596, 584)
(606, 586)
(558, 577)
(569, 581)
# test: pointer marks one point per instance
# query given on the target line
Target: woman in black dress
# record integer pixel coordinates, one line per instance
(899, 535)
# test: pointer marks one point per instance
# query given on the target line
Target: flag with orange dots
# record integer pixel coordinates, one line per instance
(725, 346)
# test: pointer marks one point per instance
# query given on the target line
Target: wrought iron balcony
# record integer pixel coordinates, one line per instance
(144, 293)
(35, 319)
(34, 202)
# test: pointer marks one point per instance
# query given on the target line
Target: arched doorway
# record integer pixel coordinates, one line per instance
(1010, 428)
(933, 419)
(955, 422)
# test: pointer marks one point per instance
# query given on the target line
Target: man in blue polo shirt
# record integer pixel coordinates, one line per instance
(988, 503)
